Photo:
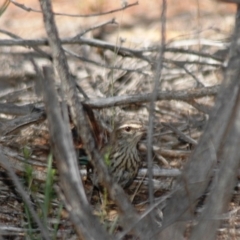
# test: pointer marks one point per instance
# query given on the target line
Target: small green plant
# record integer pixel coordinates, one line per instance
(56, 225)
(28, 180)
(44, 207)
(48, 190)
(28, 173)
(49, 196)
(113, 225)
(106, 158)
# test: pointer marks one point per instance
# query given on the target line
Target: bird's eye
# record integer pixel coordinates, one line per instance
(128, 129)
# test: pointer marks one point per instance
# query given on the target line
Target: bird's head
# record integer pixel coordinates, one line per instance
(130, 131)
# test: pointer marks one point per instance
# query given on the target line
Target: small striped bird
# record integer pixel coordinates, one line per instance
(121, 154)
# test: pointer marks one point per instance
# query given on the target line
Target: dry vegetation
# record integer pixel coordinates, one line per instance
(61, 94)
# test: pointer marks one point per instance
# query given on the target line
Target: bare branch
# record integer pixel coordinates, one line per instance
(37, 49)
(157, 172)
(183, 95)
(13, 109)
(20, 122)
(122, 51)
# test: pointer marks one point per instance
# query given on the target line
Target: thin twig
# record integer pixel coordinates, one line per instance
(200, 107)
(22, 6)
(113, 21)
(154, 96)
(181, 134)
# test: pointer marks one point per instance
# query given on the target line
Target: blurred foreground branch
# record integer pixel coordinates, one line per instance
(219, 143)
